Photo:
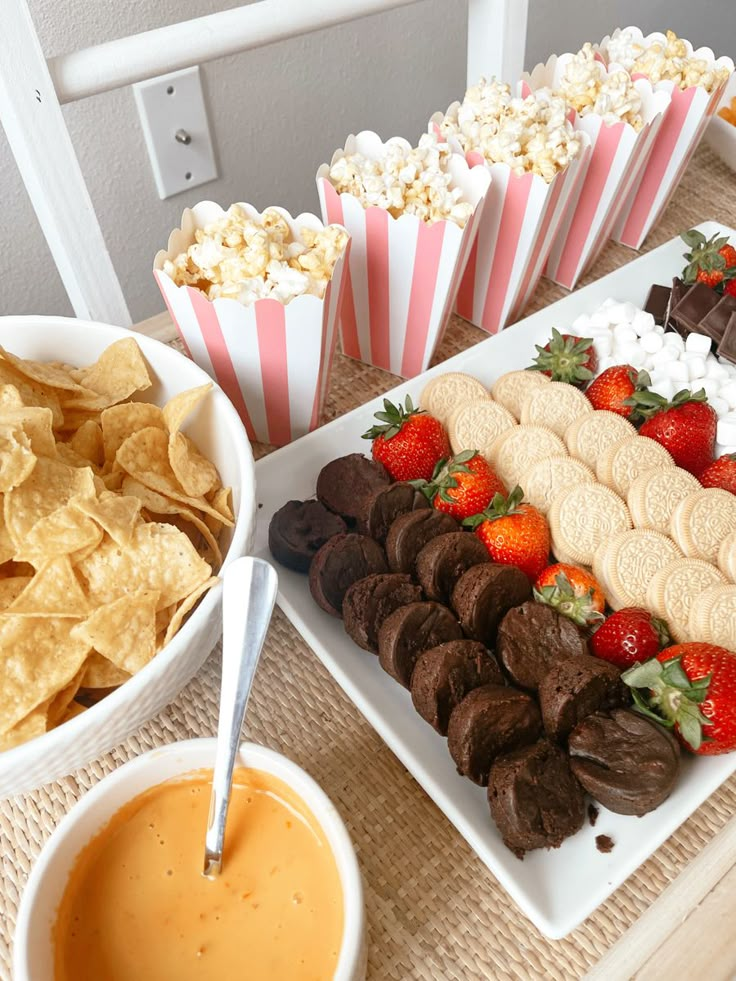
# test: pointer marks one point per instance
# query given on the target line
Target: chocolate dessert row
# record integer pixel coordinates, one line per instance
(697, 308)
(526, 710)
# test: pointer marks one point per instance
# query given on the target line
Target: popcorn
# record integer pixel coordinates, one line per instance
(404, 180)
(531, 134)
(588, 87)
(664, 60)
(248, 259)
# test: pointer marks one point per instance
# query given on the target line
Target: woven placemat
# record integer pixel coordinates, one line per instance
(434, 911)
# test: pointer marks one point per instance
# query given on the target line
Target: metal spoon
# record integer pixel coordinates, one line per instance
(248, 596)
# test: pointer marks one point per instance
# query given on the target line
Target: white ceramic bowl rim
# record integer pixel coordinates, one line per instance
(242, 532)
(27, 933)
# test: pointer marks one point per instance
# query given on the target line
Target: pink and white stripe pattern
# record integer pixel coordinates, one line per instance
(403, 273)
(520, 218)
(272, 360)
(618, 155)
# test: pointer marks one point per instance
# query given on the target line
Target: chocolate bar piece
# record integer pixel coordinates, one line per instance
(716, 320)
(678, 291)
(657, 303)
(693, 307)
(727, 347)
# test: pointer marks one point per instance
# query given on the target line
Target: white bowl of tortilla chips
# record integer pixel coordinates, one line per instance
(115, 519)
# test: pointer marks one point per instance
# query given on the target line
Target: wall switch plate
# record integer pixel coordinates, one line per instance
(176, 130)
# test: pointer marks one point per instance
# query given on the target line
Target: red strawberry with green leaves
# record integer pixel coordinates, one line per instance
(408, 441)
(691, 688)
(711, 261)
(730, 287)
(629, 636)
(513, 532)
(685, 426)
(721, 473)
(566, 358)
(463, 485)
(571, 591)
(612, 388)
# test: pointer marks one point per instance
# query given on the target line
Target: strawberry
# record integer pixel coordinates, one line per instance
(566, 358)
(691, 687)
(709, 261)
(721, 473)
(514, 533)
(614, 386)
(730, 287)
(571, 591)
(463, 485)
(686, 426)
(629, 636)
(408, 442)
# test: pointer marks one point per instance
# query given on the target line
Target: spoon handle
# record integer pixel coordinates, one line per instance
(248, 597)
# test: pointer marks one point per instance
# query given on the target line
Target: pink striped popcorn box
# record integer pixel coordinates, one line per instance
(521, 216)
(618, 156)
(683, 125)
(403, 273)
(272, 359)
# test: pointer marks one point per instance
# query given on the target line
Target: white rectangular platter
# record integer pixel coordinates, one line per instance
(556, 889)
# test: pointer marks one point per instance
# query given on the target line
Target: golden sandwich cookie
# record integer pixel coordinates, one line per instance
(676, 588)
(622, 462)
(630, 561)
(584, 517)
(515, 450)
(555, 406)
(475, 425)
(593, 432)
(548, 478)
(443, 394)
(713, 617)
(702, 520)
(655, 494)
(727, 556)
(512, 388)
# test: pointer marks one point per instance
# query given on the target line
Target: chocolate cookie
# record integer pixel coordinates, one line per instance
(575, 688)
(484, 594)
(410, 630)
(344, 484)
(444, 559)
(489, 722)
(369, 601)
(444, 675)
(410, 532)
(338, 564)
(385, 505)
(624, 761)
(298, 530)
(534, 798)
(532, 638)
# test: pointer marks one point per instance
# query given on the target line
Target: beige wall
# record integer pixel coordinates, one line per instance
(276, 114)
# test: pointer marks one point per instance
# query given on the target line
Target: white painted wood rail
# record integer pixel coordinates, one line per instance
(32, 89)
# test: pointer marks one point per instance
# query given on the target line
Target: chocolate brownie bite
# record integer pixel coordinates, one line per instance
(369, 601)
(483, 596)
(410, 532)
(574, 689)
(384, 506)
(410, 630)
(341, 561)
(489, 722)
(532, 638)
(534, 797)
(343, 485)
(626, 762)
(298, 530)
(444, 559)
(444, 675)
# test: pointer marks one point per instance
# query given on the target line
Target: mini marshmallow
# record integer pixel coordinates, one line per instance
(677, 371)
(603, 346)
(623, 334)
(667, 355)
(642, 322)
(695, 366)
(664, 387)
(715, 370)
(598, 319)
(726, 428)
(606, 363)
(711, 387)
(651, 342)
(658, 329)
(698, 344)
(631, 352)
(582, 323)
(675, 341)
(723, 449)
(728, 393)
(617, 314)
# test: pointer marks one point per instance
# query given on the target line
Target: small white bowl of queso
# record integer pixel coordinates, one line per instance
(117, 893)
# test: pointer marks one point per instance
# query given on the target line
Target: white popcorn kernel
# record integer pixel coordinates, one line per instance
(623, 334)
(728, 393)
(589, 87)
(726, 427)
(651, 342)
(643, 322)
(697, 343)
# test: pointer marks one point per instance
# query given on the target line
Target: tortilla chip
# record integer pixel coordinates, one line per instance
(17, 459)
(101, 673)
(40, 657)
(31, 392)
(123, 631)
(61, 701)
(87, 442)
(36, 423)
(73, 710)
(121, 421)
(10, 398)
(65, 531)
(194, 472)
(29, 727)
(10, 588)
(159, 557)
(118, 372)
(178, 408)
(43, 372)
(53, 591)
(51, 485)
(186, 606)
(117, 514)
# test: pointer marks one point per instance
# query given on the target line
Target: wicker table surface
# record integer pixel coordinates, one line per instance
(434, 912)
